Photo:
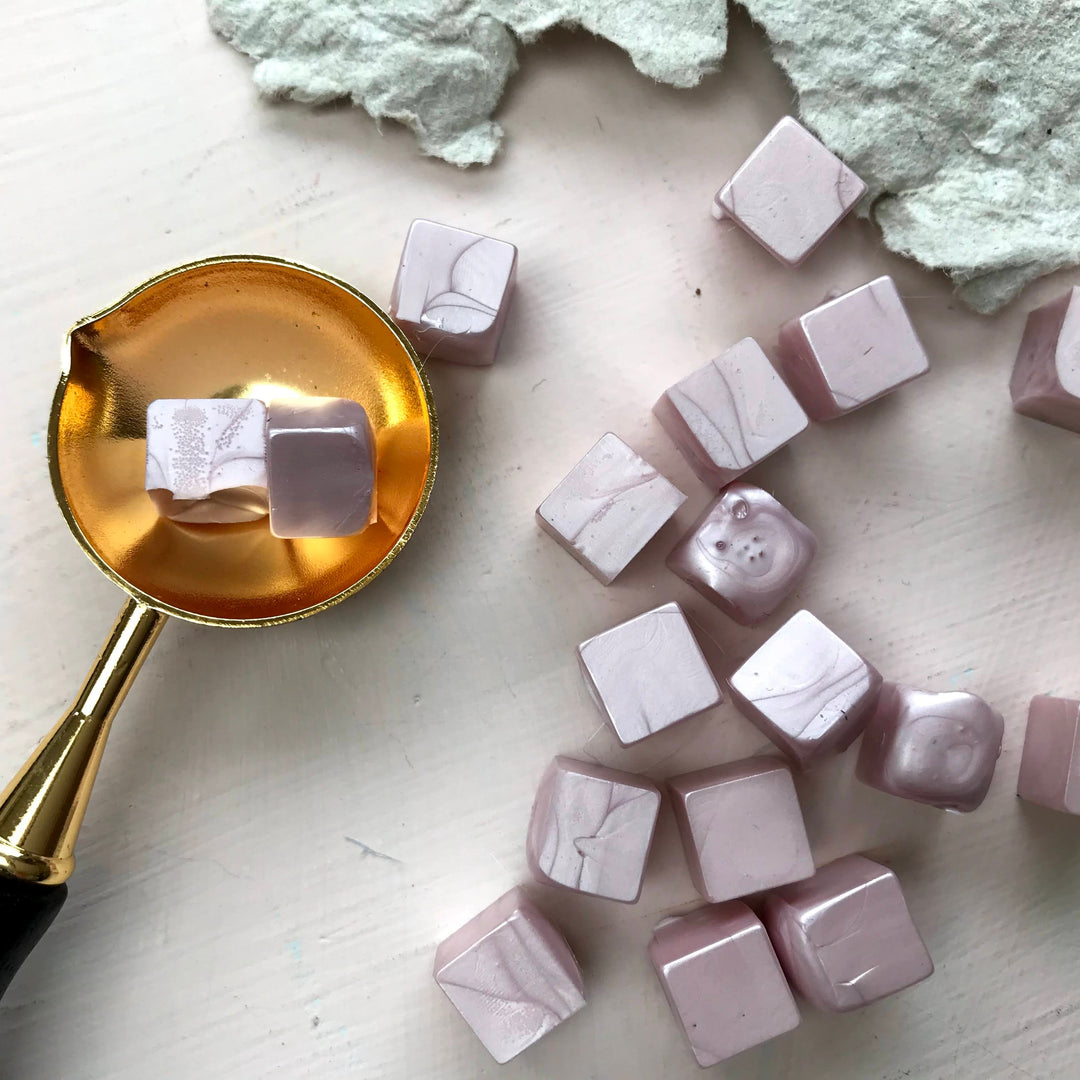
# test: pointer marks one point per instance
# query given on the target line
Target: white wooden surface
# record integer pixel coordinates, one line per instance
(222, 923)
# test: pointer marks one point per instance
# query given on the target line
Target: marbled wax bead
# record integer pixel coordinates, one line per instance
(808, 691)
(510, 974)
(452, 292)
(845, 937)
(936, 748)
(608, 507)
(722, 980)
(790, 193)
(730, 414)
(591, 829)
(741, 827)
(206, 459)
(1050, 765)
(1045, 382)
(648, 673)
(746, 553)
(321, 467)
(849, 351)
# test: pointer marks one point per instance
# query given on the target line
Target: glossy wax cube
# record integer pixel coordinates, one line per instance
(845, 937)
(452, 292)
(936, 748)
(722, 980)
(808, 691)
(608, 507)
(790, 193)
(510, 974)
(1050, 766)
(648, 673)
(1046, 379)
(591, 829)
(321, 467)
(730, 414)
(746, 553)
(741, 827)
(850, 350)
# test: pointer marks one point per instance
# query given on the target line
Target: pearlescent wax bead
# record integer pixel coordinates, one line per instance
(1050, 766)
(452, 292)
(206, 459)
(806, 690)
(790, 193)
(746, 553)
(845, 937)
(648, 673)
(609, 506)
(321, 464)
(936, 748)
(591, 829)
(1045, 382)
(849, 351)
(722, 980)
(741, 827)
(510, 974)
(730, 414)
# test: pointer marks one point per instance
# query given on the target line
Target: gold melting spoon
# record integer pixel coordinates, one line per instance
(243, 326)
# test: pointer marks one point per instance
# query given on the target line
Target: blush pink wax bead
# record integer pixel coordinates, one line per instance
(1046, 379)
(936, 748)
(452, 292)
(648, 673)
(806, 690)
(1050, 766)
(747, 553)
(789, 193)
(510, 974)
(851, 350)
(741, 828)
(722, 980)
(730, 414)
(591, 829)
(609, 506)
(845, 937)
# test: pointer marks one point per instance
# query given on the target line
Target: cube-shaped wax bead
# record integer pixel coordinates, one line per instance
(321, 465)
(608, 507)
(845, 937)
(746, 553)
(591, 829)
(790, 193)
(510, 974)
(206, 459)
(806, 690)
(936, 748)
(1046, 379)
(1050, 766)
(648, 673)
(741, 828)
(851, 350)
(452, 292)
(722, 980)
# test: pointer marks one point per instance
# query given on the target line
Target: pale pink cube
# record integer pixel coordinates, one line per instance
(510, 974)
(730, 414)
(845, 936)
(1050, 766)
(452, 292)
(722, 980)
(591, 829)
(790, 193)
(746, 553)
(1046, 379)
(741, 828)
(851, 350)
(648, 673)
